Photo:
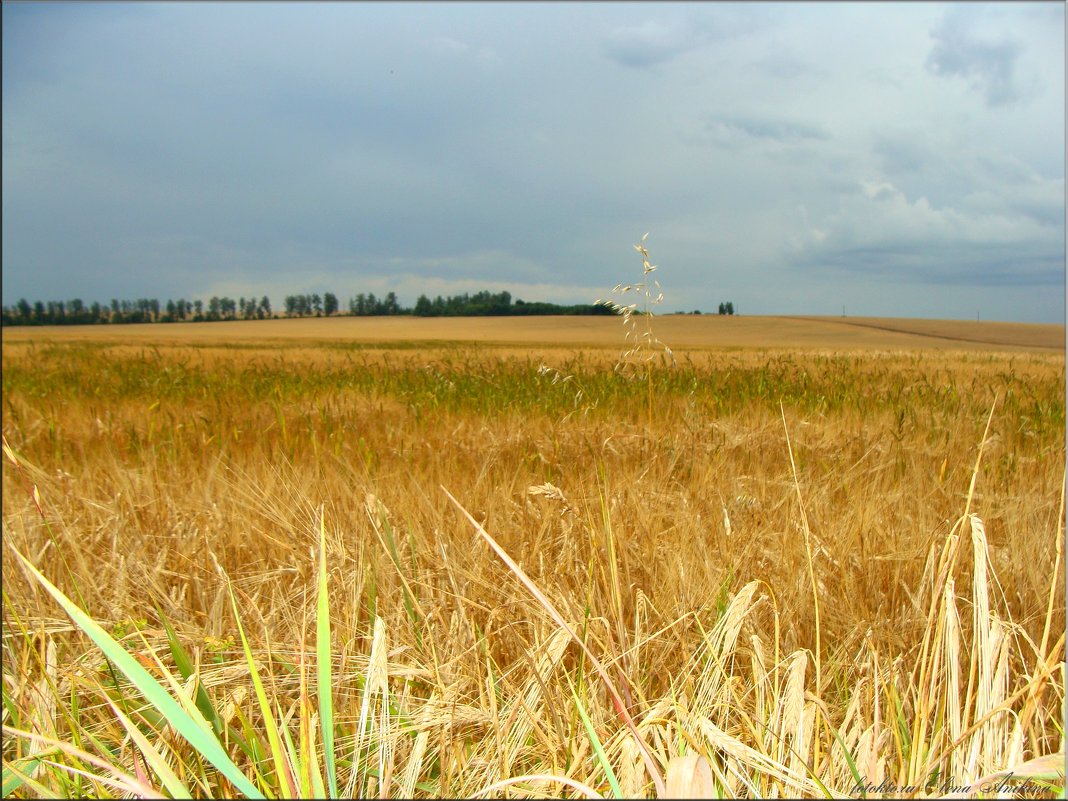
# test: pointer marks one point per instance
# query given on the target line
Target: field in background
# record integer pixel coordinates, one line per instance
(800, 618)
(681, 331)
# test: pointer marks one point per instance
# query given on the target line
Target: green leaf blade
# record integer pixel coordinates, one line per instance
(204, 743)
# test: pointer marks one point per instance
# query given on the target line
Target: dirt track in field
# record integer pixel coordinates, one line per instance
(679, 331)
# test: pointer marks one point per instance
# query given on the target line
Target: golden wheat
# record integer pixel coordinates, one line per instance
(678, 544)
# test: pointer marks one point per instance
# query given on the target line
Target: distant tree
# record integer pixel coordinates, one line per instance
(722, 308)
(423, 307)
(329, 304)
(390, 304)
(265, 306)
(730, 307)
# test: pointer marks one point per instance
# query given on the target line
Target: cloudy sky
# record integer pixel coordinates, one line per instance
(896, 159)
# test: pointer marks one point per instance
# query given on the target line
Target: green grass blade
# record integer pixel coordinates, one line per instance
(203, 742)
(253, 746)
(187, 668)
(298, 766)
(324, 664)
(285, 779)
(154, 758)
(111, 774)
(14, 778)
(860, 782)
(598, 749)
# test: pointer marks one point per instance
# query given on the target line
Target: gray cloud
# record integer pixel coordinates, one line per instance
(988, 61)
(649, 43)
(879, 230)
(650, 37)
(764, 127)
(901, 155)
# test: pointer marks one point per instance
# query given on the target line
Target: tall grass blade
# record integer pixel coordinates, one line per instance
(323, 659)
(187, 669)
(282, 771)
(198, 735)
(598, 749)
(650, 764)
(15, 777)
(850, 762)
(154, 758)
(117, 777)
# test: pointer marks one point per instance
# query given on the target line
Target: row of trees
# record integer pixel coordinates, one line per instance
(311, 305)
(726, 308)
(488, 304)
(369, 306)
(145, 310)
(142, 310)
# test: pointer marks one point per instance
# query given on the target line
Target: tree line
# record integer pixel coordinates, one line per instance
(488, 304)
(150, 310)
(142, 310)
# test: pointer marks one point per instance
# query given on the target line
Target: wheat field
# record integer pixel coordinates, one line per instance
(823, 571)
(693, 332)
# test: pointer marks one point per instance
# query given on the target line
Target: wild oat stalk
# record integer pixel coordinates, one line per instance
(645, 347)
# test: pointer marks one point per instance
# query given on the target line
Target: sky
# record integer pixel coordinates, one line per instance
(881, 159)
